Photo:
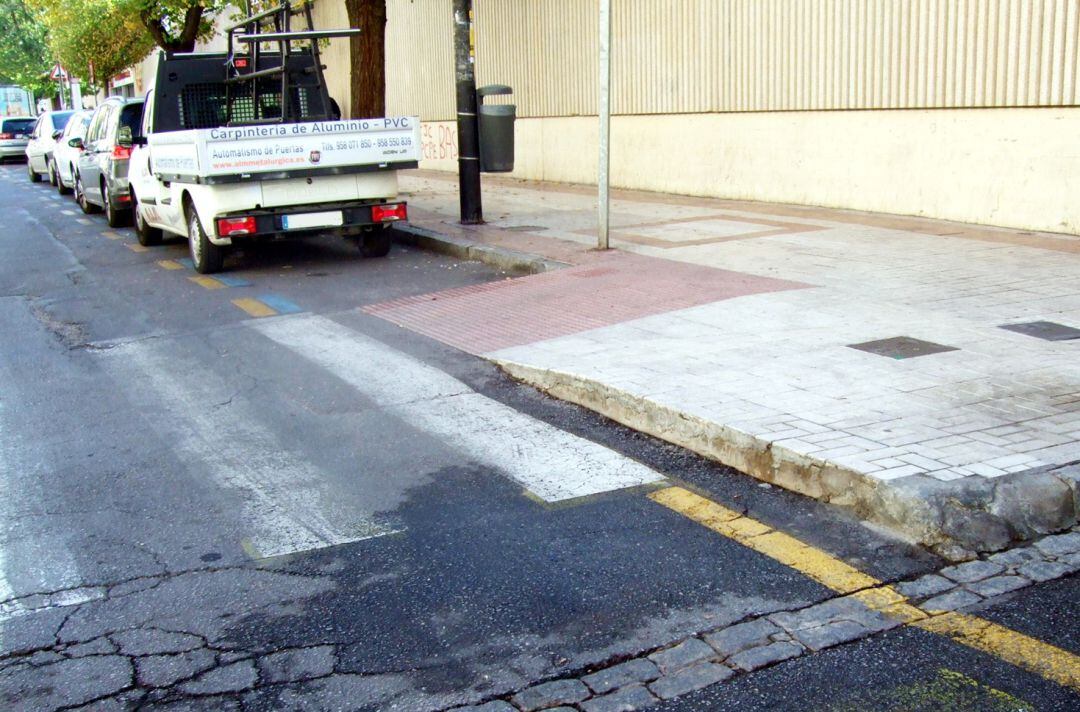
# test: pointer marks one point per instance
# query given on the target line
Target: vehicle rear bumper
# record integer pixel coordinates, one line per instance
(13, 150)
(269, 223)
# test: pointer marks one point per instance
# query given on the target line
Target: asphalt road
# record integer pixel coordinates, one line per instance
(315, 509)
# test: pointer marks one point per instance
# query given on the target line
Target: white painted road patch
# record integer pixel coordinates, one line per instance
(551, 463)
(287, 507)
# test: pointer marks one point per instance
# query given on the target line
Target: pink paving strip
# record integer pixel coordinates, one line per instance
(613, 288)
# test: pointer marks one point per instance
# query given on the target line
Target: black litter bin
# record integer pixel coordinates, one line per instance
(496, 130)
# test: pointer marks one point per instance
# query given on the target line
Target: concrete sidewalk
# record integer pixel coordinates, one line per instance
(925, 374)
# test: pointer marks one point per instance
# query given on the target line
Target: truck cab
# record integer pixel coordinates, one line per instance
(237, 148)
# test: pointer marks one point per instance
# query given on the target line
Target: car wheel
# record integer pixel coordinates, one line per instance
(205, 255)
(80, 197)
(52, 172)
(377, 242)
(61, 188)
(31, 173)
(148, 236)
(115, 217)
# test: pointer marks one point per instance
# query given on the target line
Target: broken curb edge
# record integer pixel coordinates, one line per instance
(956, 519)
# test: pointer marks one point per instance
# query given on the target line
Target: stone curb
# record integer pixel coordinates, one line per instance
(463, 249)
(713, 656)
(956, 519)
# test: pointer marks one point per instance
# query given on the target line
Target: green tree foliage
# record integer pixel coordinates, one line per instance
(176, 25)
(25, 59)
(94, 38)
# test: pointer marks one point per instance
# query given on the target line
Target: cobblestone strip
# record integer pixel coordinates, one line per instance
(718, 655)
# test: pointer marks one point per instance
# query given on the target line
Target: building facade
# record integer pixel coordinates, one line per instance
(959, 109)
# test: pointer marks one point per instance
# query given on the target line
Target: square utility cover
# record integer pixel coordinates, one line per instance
(1047, 330)
(899, 347)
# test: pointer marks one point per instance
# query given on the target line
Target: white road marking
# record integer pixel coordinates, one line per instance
(49, 565)
(551, 463)
(286, 505)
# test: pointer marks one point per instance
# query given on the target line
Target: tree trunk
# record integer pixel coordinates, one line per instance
(367, 54)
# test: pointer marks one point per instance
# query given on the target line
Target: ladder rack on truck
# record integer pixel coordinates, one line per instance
(279, 89)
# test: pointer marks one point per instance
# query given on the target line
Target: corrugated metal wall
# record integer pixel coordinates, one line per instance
(699, 56)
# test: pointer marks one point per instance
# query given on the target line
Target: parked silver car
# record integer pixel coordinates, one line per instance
(101, 173)
(14, 135)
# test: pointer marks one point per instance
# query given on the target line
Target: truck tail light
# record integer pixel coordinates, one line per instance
(389, 213)
(121, 153)
(236, 226)
(6, 136)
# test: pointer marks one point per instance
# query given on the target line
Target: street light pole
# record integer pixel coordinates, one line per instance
(605, 123)
(472, 211)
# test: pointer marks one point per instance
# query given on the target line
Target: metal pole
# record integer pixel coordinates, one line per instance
(605, 122)
(472, 211)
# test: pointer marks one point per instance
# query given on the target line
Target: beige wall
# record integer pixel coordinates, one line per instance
(331, 15)
(1008, 167)
(702, 56)
(957, 109)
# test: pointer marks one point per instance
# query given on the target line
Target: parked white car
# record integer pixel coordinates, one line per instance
(39, 151)
(66, 156)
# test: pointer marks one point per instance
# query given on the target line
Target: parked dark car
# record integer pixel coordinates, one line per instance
(14, 135)
(101, 174)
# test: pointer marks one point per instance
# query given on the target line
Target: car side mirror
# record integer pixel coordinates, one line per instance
(76, 143)
(123, 135)
(56, 135)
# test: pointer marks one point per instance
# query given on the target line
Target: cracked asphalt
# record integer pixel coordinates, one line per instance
(195, 516)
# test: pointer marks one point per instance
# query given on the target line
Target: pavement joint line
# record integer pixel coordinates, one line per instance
(254, 307)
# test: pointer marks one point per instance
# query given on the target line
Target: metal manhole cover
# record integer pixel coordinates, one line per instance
(901, 347)
(1048, 330)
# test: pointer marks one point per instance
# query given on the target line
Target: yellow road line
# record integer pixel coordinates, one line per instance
(1021, 650)
(1018, 649)
(136, 247)
(207, 282)
(254, 307)
(82, 221)
(169, 264)
(823, 568)
(111, 234)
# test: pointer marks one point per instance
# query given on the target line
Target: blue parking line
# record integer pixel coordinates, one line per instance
(186, 261)
(280, 304)
(232, 281)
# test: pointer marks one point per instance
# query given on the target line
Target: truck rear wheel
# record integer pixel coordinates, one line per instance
(148, 236)
(377, 242)
(205, 255)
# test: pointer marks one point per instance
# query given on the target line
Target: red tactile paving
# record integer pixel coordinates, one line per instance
(612, 288)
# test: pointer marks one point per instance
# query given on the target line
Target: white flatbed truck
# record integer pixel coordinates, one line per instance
(241, 148)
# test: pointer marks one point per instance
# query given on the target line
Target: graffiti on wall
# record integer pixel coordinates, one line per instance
(439, 141)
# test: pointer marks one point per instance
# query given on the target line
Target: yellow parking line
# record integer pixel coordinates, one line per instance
(1021, 650)
(136, 247)
(823, 568)
(82, 221)
(254, 307)
(1018, 649)
(207, 282)
(169, 264)
(112, 235)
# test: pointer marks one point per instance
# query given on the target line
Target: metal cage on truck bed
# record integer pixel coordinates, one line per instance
(249, 85)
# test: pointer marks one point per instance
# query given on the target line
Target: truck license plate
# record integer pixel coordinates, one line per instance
(306, 221)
